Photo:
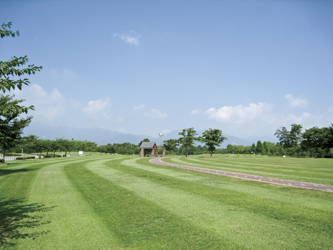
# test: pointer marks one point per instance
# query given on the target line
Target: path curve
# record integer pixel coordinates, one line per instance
(249, 177)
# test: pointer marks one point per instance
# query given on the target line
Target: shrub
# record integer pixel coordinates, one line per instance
(25, 158)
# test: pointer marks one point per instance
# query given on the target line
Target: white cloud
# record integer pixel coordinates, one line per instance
(132, 38)
(155, 113)
(195, 111)
(142, 106)
(239, 113)
(296, 102)
(49, 107)
(298, 119)
(98, 108)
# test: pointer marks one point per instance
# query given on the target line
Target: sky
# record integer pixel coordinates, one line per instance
(144, 67)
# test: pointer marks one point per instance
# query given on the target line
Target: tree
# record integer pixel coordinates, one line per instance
(230, 149)
(10, 110)
(259, 147)
(64, 145)
(317, 140)
(27, 143)
(54, 146)
(290, 140)
(109, 149)
(253, 148)
(11, 127)
(187, 139)
(212, 138)
(39, 146)
(264, 147)
(12, 67)
(170, 145)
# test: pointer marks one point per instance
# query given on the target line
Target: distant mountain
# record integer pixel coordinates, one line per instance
(233, 140)
(103, 136)
(254, 139)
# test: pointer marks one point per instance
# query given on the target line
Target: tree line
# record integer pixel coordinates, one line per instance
(314, 142)
(33, 145)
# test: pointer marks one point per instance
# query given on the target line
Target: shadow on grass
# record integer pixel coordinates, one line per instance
(15, 215)
(13, 171)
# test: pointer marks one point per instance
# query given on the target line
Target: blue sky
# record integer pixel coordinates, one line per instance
(141, 67)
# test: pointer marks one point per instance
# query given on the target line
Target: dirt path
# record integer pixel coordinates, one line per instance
(250, 177)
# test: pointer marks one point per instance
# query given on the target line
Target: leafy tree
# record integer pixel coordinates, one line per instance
(187, 139)
(212, 138)
(240, 149)
(47, 146)
(170, 145)
(270, 148)
(264, 147)
(259, 147)
(27, 143)
(91, 146)
(290, 140)
(64, 145)
(253, 148)
(247, 150)
(230, 149)
(11, 126)
(54, 146)
(13, 67)
(10, 110)
(102, 149)
(200, 150)
(110, 149)
(318, 141)
(39, 146)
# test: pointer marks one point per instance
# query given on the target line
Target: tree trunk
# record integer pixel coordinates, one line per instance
(3, 155)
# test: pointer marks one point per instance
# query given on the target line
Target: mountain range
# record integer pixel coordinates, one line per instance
(103, 136)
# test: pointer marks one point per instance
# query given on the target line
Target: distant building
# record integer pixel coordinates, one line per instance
(149, 146)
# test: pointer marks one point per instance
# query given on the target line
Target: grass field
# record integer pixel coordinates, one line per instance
(125, 202)
(299, 169)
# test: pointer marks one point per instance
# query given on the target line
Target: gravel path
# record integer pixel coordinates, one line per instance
(250, 177)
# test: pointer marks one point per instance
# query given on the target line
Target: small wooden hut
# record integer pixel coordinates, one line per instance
(151, 146)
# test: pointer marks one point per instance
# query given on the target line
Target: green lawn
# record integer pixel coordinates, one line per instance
(298, 169)
(125, 202)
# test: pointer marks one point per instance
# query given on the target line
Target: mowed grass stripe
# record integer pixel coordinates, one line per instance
(73, 224)
(16, 179)
(299, 174)
(267, 165)
(307, 173)
(301, 166)
(276, 206)
(135, 220)
(214, 215)
(307, 198)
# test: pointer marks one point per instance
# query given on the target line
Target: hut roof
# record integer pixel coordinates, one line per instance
(148, 145)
